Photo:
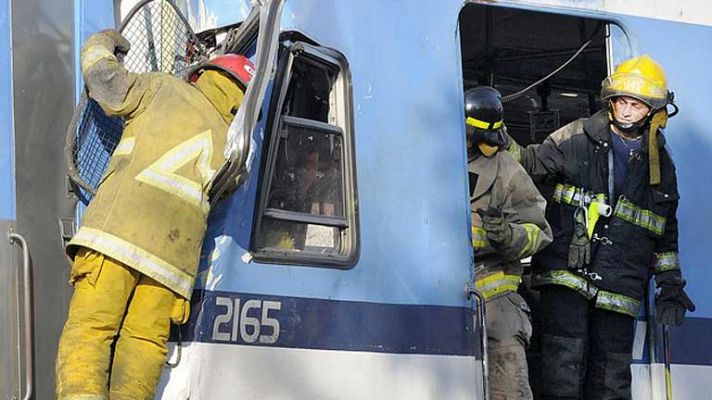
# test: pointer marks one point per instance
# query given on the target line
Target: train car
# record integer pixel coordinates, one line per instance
(338, 261)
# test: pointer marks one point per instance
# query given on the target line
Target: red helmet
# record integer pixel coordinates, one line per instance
(237, 66)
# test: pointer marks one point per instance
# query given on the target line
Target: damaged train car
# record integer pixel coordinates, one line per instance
(338, 260)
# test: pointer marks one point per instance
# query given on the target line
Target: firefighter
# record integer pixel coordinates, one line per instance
(614, 220)
(508, 224)
(136, 254)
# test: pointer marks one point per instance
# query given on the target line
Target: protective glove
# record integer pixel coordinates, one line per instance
(498, 230)
(580, 247)
(511, 146)
(120, 44)
(672, 302)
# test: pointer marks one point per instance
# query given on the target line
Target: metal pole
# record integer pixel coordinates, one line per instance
(666, 359)
(652, 353)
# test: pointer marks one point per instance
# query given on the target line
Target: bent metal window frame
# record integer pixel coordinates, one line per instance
(339, 128)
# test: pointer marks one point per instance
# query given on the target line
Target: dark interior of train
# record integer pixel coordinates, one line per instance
(511, 49)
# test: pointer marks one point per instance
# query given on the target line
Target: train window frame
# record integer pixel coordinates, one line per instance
(337, 127)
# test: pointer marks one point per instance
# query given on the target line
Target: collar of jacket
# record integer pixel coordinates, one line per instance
(222, 93)
(597, 127)
(486, 169)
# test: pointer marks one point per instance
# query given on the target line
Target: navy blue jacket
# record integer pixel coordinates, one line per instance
(644, 222)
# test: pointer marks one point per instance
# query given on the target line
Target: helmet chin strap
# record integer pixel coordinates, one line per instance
(629, 128)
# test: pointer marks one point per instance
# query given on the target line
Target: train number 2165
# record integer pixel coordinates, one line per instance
(242, 321)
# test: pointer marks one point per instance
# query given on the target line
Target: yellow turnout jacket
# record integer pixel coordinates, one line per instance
(151, 208)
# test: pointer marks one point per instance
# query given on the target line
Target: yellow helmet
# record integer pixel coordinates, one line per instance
(640, 78)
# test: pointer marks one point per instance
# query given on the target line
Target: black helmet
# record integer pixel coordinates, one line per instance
(483, 116)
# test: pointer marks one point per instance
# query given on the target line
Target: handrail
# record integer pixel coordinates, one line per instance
(479, 302)
(12, 236)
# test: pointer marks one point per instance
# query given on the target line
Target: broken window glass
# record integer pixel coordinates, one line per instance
(307, 212)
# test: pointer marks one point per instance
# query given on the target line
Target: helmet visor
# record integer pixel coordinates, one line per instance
(636, 86)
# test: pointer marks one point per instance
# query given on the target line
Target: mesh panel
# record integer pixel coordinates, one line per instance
(160, 41)
(96, 138)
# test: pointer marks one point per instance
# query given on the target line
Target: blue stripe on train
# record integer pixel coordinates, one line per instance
(331, 325)
(690, 342)
(384, 328)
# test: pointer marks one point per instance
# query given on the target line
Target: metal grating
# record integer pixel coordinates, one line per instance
(96, 138)
(161, 40)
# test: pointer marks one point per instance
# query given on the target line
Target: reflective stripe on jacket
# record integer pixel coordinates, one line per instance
(502, 183)
(151, 207)
(604, 300)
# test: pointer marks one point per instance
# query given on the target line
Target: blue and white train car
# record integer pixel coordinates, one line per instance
(339, 267)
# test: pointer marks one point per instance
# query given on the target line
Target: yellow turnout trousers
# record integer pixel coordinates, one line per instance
(109, 299)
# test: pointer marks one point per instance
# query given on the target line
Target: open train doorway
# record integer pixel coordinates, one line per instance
(515, 49)
(548, 68)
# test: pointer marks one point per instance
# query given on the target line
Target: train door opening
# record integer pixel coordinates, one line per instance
(548, 68)
(514, 49)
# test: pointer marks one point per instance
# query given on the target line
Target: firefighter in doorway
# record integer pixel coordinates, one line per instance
(508, 224)
(614, 220)
(136, 254)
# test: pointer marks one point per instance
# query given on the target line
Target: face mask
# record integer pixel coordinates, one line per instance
(487, 150)
(488, 142)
